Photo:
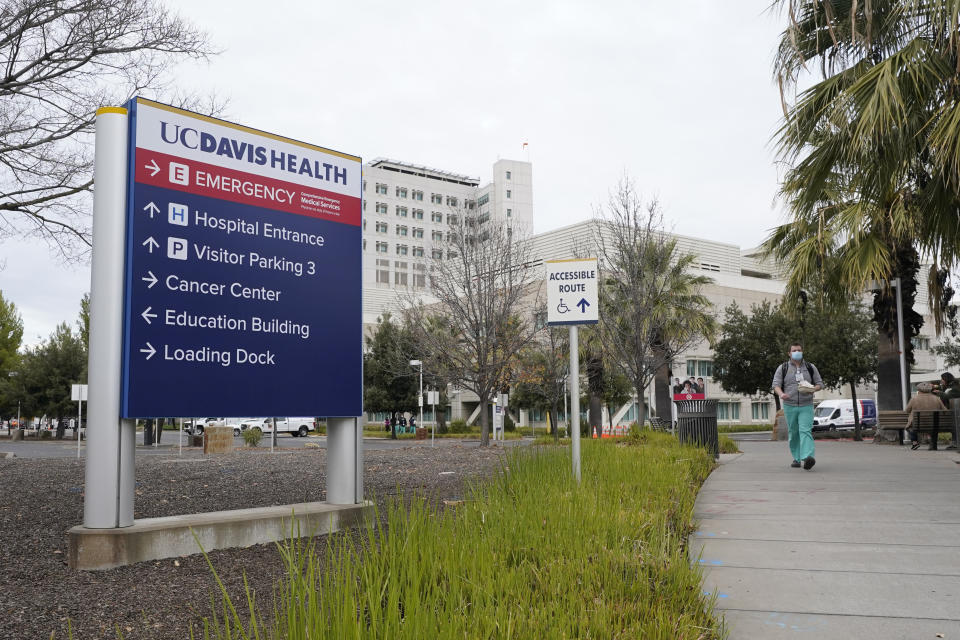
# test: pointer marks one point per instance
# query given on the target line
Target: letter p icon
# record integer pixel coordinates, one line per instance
(177, 248)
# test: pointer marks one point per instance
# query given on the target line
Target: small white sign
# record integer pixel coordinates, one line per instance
(572, 291)
(78, 392)
(433, 397)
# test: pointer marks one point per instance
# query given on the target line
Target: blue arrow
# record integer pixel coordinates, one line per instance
(583, 304)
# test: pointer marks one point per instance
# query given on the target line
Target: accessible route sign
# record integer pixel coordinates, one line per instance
(243, 271)
(572, 291)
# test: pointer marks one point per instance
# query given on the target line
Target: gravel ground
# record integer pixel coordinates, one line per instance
(42, 499)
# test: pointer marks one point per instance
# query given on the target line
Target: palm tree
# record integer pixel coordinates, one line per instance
(873, 150)
(652, 307)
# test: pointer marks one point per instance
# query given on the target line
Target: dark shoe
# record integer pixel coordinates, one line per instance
(808, 463)
(915, 446)
(795, 464)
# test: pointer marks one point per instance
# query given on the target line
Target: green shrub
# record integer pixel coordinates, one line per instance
(728, 445)
(443, 428)
(458, 426)
(527, 554)
(46, 435)
(508, 423)
(252, 437)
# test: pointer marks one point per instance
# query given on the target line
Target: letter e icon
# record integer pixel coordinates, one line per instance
(177, 248)
(179, 173)
(178, 214)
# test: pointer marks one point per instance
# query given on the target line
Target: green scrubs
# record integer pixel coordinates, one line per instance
(800, 430)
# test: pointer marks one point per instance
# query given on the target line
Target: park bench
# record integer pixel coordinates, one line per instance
(892, 421)
(657, 424)
(933, 422)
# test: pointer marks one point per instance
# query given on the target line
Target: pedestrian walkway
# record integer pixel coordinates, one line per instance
(865, 545)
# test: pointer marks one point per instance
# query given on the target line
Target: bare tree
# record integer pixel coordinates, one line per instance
(651, 308)
(480, 320)
(60, 60)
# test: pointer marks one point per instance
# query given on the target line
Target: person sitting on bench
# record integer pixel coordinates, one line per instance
(923, 401)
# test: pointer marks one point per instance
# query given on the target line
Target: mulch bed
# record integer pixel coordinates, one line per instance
(42, 499)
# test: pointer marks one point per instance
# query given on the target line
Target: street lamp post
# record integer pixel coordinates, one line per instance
(419, 363)
(14, 374)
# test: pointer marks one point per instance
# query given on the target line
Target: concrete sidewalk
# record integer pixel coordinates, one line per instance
(865, 545)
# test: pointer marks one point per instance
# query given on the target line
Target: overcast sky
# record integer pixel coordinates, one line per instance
(677, 95)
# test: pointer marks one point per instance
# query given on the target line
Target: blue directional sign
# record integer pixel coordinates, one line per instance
(243, 282)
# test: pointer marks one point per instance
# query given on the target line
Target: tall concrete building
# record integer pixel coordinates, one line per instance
(407, 210)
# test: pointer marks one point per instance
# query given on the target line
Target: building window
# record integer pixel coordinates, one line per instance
(436, 216)
(920, 343)
(381, 189)
(402, 250)
(401, 192)
(382, 247)
(364, 205)
(364, 244)
(400, 278)
(436, 236)
(382, 227)
(700, 368)
(509, 193)
(451, 255)
(437, 254)
(417, 232)
(451, 201)
(416, 195)
(401, 211)
(760, 411)
(709, 266)
(508, 175)
(484, 199)
(509, 213)
(401, 230)
(436, 198)
(417, 214)
(418, 252)
(728, 411)
(364, 185)
(419, 280)
(382, 207)
(453, 219)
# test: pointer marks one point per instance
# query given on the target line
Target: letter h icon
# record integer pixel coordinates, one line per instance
(178, 214)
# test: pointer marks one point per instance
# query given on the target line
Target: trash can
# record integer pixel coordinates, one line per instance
(697, 424)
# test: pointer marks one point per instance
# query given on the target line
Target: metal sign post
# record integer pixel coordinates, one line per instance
(572, 299)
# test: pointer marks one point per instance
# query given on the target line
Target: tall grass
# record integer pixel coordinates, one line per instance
(530, 555)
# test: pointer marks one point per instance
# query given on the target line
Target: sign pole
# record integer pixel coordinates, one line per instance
(79, 417)
(180, 453)
(108, 499)
(575, 400)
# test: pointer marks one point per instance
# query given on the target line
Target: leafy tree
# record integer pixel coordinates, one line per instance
(478, 323)
(651, 307)
(62, 59)
(11, 336)
(750, 348)
(388, 385)
(48, 372)
(542, 372)
(842, 343)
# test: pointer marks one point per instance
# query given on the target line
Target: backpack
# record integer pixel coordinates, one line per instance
(783, 370)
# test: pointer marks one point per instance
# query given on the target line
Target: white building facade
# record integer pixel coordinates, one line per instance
(407, 212)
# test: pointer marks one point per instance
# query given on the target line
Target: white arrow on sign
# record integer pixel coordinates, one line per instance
(151, 244)
(151, 208)
(152, 279)
(153, 166)
(146, 315)
(149, 351)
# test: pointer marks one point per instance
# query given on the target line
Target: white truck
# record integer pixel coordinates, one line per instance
(294, 426)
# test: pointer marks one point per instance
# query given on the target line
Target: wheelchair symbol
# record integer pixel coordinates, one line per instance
(562, 307)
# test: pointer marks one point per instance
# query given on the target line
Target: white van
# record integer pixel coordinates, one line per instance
(838, 414)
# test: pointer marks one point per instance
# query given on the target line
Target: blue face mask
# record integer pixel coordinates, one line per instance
(797, 355)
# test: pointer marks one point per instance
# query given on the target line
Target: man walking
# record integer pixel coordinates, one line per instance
(795, 382)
